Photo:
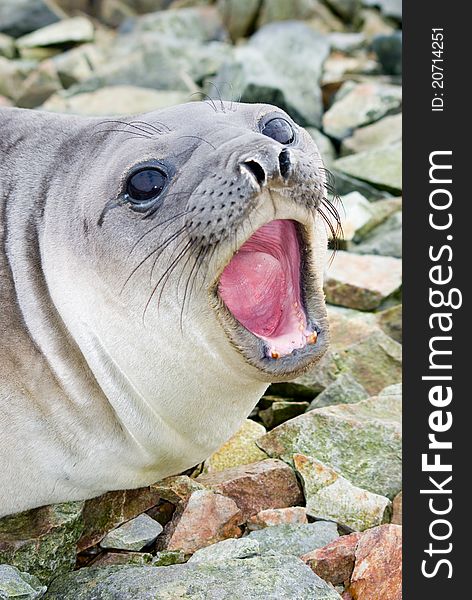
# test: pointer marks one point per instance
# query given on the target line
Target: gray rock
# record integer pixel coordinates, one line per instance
(156, 61)
(386, 131)
(358, 348)
(344, 390)
(324, 144)
(392, 390)
(356, 211)
(259, 578)
(18, 17)
(389, 52)
(281, 10)
(294, 539)
(200, 24)
(391, 322)
(133, 535)
(78, 64)
(349, 10)
(384, 240)
(107, 559)
(16, 585)
(12, 75)
(68, 31)
(331, 496)
(42, 541)
(7, 46)
(285, 74)
(360, 281)
(280, 411)
(38, 86)
(344, 184)
(347, 42)
(227, 549)
(360, 441)
(114, 100)
(362, 104)
(390, 8)
(374, 23)
(382, 210)
(381, 167)
(238, 16)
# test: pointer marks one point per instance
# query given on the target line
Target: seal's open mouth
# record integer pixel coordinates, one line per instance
(261, 287)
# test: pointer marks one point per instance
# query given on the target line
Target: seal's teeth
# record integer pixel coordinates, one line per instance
(312, 337)
(274, 354)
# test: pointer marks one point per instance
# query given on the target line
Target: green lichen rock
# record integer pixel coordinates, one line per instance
(294, 538)
(344, 390)
(360, 441)
(258, 578)
(42, 541)
(330, 496)
(244, 547)
(240, 449)
(15, 585)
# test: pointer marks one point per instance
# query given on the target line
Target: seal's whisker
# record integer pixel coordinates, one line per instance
(197, 137)
(151, 229)
(160, 247)
(333, 230)
(164, 127)
(208, 263)
(194, 272)
(129, 124)
(208, 99)
(187, 285)
(134, 133)
(183, 269)
(219, 96)
(156, 258)
(164, 278)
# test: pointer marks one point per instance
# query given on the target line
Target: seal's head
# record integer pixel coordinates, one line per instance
(158, 272)
(212, 226)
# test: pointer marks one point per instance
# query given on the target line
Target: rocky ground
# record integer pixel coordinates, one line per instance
(305, 501)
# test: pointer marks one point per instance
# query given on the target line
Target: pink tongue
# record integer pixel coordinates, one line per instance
(261, 287)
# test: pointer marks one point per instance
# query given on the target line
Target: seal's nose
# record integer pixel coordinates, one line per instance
(264, 169)
(285, 163)
(256, 170)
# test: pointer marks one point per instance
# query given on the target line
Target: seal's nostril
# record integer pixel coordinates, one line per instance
(257, 170)
(285, 163)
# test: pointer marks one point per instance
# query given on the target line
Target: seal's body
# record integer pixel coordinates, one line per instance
(156, 274)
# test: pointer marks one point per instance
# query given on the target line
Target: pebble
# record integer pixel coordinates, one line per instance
(133, 535)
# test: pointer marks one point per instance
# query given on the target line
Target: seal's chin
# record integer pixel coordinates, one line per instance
(261, 287)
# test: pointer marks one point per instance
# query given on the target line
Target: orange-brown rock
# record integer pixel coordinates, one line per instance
(266, 484)
(277, 516)
(335, 562)
(377, 572)
(207, 518)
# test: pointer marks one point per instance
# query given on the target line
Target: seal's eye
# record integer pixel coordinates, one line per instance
(145, 185)
(279, 130)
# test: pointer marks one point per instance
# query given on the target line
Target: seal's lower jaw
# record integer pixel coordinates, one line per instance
(265, 292)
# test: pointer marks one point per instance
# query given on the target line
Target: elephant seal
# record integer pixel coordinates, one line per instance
(157, 273)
